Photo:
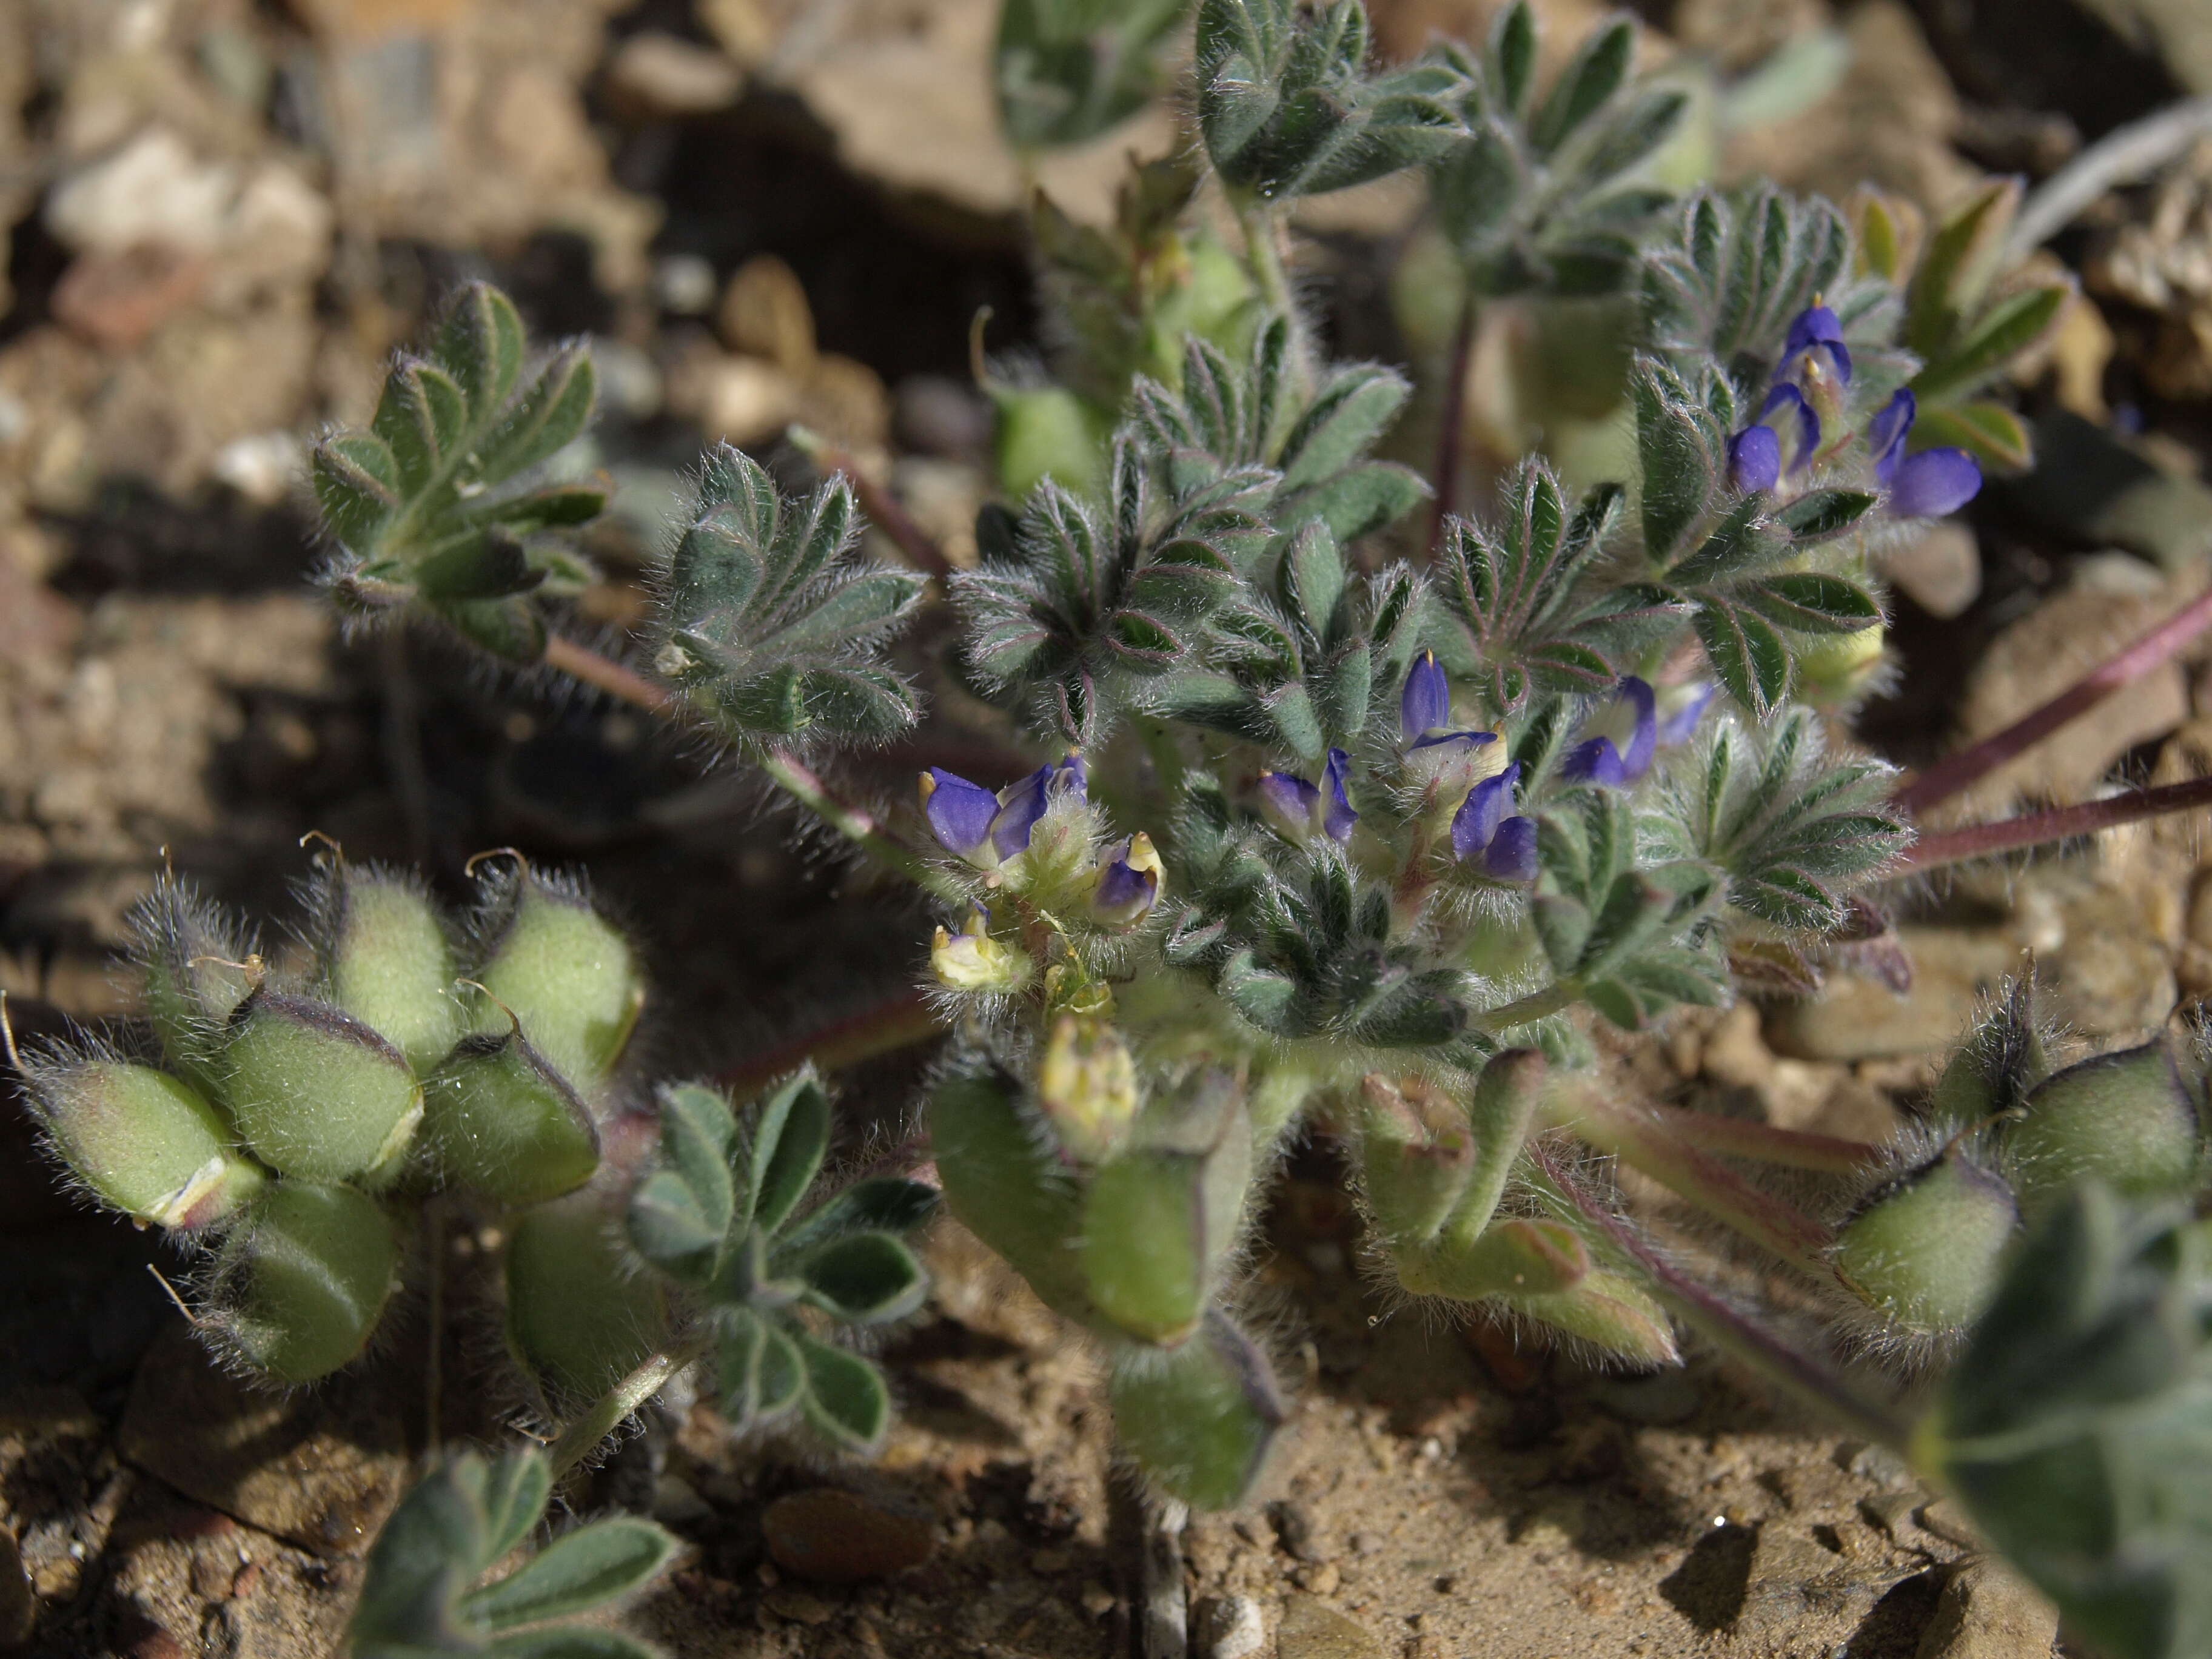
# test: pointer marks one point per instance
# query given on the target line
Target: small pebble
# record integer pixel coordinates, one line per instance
(838, 1537)
(799, 1606)
(1097, 1600)
(1310, 1630)
(1294, 1528)
(1322, 1580)
(1986, 1613)
(1230, 1627)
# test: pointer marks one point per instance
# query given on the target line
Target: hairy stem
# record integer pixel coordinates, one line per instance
(616, 679)
(1525, 1010)
(1978, 840)
(882, 508)
(783, 768)
(788, 774)
(608, 1411)
(1451, 434)
(1725, 1326)
(1647, 1143)
(1956, 772)
(1261, 223)
(1788, 1149)
(897, 1022)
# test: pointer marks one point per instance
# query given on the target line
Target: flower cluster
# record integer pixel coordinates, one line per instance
(1802, 429)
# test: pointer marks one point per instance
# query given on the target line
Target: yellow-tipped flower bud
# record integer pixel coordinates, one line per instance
(1088, 1087)
(973, 961)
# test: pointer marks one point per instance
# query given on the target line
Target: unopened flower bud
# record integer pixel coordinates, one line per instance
(972, 960)
(2125, 1118)
(142, 1141)
(1087, 1084)
(315, 1092)
(1925, 1250)
(1300, 810)
(566, 973)
(1129, 883)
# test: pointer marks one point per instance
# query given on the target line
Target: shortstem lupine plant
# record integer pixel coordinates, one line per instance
(1317, 823)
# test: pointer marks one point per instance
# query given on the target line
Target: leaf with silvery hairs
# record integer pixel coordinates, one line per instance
(774, 621)
(1795, 829)
(419, 1597)
(1288, 108)
(440, 503)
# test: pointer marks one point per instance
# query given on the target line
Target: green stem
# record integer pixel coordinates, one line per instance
(783, 768)
(607, 1412)
(1788, 1149)
(1648, 1144)
(1752, 1345)
(786, 771)
(1261, 223)
(1526, 1010)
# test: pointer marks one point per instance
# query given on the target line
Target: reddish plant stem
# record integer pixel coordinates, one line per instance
(1956, 772)
(1722, 1325)
(1789, 1149)
(782, 767)
(624, 684)
(883, 509)
(897, 1022)
(1451, 432)
(1978, 840)
(1647, 1143)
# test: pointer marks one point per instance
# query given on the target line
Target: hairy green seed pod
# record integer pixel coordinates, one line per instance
(1046, 432)
(199, 965)
(567, 974)
(577, 1316)
(1609, 1311)
(2127, 1120)
(385, 959)
(145, 1143)
(1159, 1221)
(1416, 1157)
(1200, 1418)
(317, 1094)
(498, 1120)
(1926, 1249)
(1513, 1257)
(306, 1278)
(2001, 1059)
(1005, 1185)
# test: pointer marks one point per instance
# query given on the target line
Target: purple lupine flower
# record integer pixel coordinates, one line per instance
(1511, 856)
(1886, 432)
(1681, 706)
(971, 822)
(1425, 703)
(1782, 441)
(1337, 816)
(1816, 331)
(1932, 483)
(1482, 829)
(1300, 810)
(1128, 883)
(1926, 485)
(1623, 734)
(1795, 424)
(1754, 458)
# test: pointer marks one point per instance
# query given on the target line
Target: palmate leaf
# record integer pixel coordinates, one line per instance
(438, 504)
(1743, 574)
(727, 1217)
(1230, 418)
(1072, 615)
(1792, 829)
(2075, 1426)
(1294, 660)
(1526, 622)
(416, 1599)
(1067, 70)
(1288, 108)
(1633, 940)
(1530, 202)
(1738, 268)
(774, 623)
